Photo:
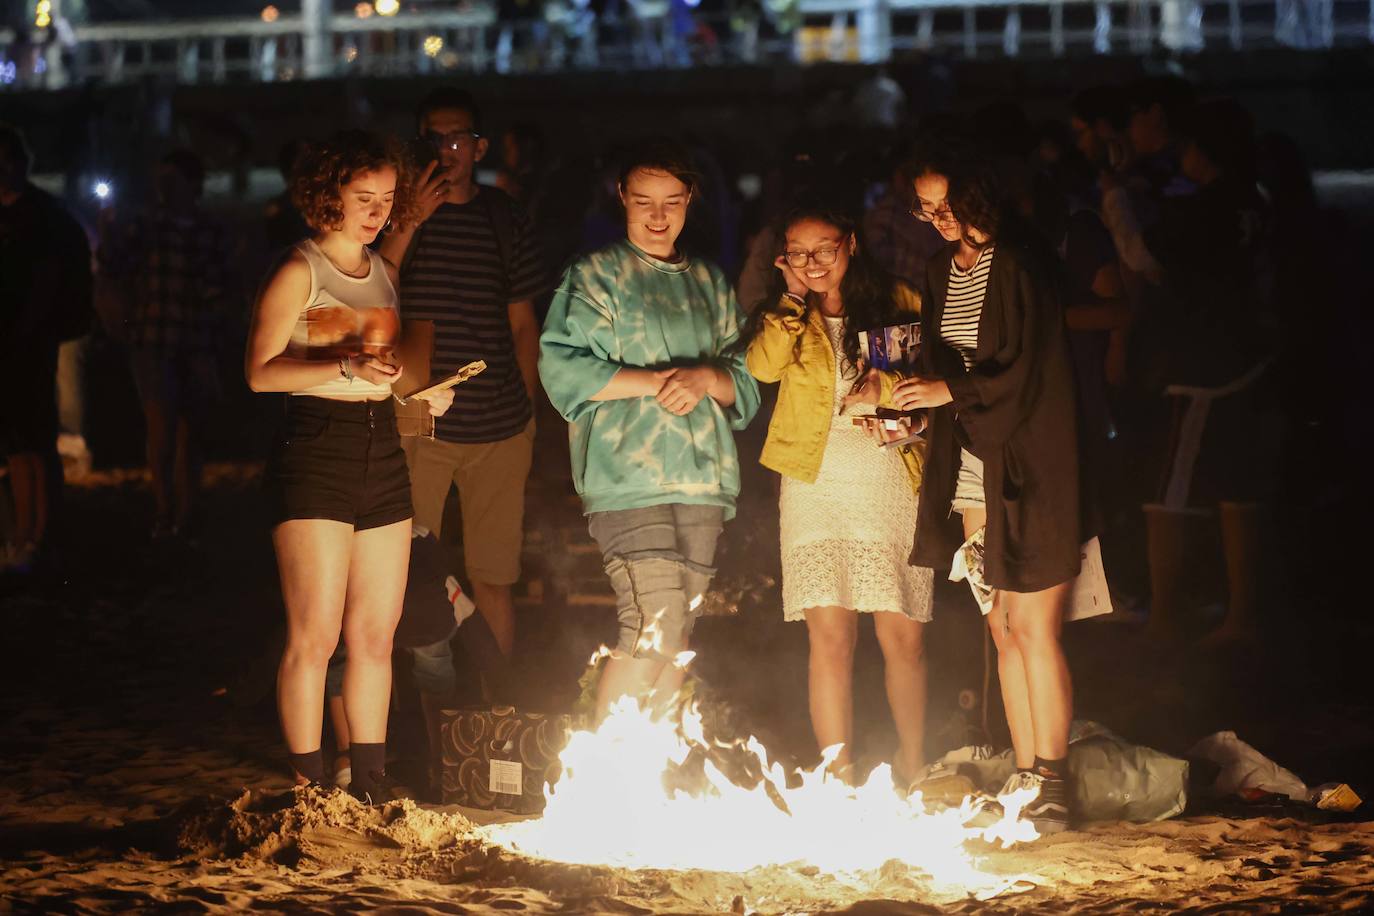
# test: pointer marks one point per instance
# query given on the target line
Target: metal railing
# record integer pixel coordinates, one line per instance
(571, 37)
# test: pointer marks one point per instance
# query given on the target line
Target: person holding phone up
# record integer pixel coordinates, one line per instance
(470, 263)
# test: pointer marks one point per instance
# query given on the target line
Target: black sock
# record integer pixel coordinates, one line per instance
(310, 765)
(366, 760)
(1055, 768)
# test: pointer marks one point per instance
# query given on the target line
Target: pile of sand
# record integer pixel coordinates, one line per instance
(326, 826)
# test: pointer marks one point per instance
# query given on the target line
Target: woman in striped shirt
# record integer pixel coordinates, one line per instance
(1003, 453)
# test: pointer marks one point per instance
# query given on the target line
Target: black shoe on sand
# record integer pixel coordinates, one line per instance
(1049, 810)
(377, 789)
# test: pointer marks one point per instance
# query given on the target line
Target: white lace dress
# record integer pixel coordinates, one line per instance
(846, 537)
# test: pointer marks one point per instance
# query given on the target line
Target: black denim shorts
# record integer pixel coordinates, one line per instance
(338, 460)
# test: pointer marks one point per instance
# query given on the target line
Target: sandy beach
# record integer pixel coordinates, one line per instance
(129, 781)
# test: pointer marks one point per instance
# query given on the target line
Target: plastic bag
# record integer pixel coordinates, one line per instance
(1114, 780)
(1243, 768)
(1110, 778)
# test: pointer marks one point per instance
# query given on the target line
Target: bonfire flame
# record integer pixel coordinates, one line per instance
(615, 804)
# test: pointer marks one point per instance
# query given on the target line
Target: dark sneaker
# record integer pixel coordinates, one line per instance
(377, 789)
(1049, 811)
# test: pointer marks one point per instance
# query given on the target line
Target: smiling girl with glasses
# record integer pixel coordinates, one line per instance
(846, 505)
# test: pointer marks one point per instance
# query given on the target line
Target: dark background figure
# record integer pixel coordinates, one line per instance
(282, 222)
(175, 263)
(1213, 248)
(900, 244)
(45, 299)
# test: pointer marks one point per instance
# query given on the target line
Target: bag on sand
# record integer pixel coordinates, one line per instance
(500, 758)
(1110, 778)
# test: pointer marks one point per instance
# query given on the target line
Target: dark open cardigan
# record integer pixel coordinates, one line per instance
(1016, 410)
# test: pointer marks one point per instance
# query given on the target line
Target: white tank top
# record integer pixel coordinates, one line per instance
(345, 316)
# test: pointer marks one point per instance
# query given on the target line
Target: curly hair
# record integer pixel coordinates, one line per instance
(976, 196)
(323, 169)
(866, 289)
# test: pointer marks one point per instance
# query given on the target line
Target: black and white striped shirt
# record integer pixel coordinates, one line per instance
(456, 279)
(964, 306)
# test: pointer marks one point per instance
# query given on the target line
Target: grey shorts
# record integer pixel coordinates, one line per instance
(660, 560)
(968, 490)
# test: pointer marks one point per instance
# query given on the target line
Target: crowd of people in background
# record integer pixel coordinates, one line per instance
(1083, 284)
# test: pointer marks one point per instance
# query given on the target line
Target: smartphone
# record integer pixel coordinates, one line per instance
(422, 152)
(903, 431)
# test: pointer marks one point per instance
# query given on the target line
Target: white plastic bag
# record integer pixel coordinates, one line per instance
(1243, 767)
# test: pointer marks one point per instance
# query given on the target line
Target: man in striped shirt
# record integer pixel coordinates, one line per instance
(471, 264)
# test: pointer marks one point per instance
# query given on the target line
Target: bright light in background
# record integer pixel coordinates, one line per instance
(387, 7)
(42, 14)
(103, 189)
(270, 14)
(363, 10)
(433, 45)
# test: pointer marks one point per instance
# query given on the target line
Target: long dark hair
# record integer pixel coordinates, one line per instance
(866, 290)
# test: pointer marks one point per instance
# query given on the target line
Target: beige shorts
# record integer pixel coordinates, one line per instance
(490, 478)
(968, 490)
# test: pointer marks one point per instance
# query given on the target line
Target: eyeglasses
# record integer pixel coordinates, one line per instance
(824, 257)
(451, 140)
(943, 215)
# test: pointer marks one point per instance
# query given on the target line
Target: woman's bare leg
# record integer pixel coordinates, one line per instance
(1036, 619)
(312, 559)
(1011, 672)
(904, 671)
(380, 561)
(833, 633)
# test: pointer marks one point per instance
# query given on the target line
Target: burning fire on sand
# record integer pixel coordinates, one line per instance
(611, 807)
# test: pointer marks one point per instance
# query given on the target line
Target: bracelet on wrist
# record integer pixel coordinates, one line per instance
(795, 297)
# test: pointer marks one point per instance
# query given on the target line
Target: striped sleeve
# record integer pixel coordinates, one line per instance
(528, 277)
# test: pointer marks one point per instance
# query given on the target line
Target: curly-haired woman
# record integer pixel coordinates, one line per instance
(324, 332)
(846, 505)
(996, 373)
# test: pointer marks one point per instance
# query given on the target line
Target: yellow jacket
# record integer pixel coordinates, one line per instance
(792, 347)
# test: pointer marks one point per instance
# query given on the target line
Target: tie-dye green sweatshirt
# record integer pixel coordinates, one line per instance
(619, 307)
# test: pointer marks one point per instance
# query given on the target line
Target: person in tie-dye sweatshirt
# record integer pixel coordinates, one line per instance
(637, 355)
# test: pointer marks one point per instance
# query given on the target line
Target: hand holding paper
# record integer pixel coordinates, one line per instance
(428, 392)
(439, 402)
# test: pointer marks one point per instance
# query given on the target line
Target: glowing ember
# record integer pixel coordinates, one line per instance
(611, 807)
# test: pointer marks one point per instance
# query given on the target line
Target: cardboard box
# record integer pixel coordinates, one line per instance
(500, 758)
